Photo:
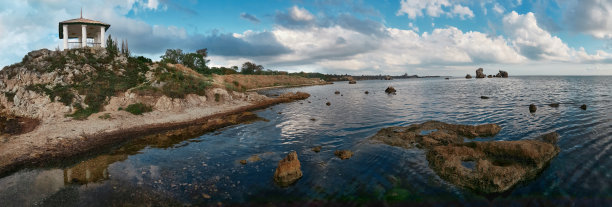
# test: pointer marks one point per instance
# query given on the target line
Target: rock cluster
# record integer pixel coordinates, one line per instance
(483, 166)
(288, 170)
(502, 74)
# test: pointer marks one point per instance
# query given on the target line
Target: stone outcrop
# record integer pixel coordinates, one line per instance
(390, 89)
(479, 73)
(343, 154)
(468, 76)
(352, 82)
(483, 166)
(288, 170)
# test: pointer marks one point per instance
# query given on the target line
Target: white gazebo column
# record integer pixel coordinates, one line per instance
(65, 33)
(102, 39)
(83, 35)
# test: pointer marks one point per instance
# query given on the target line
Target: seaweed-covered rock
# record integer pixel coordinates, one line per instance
(483, 166)
(288, 170)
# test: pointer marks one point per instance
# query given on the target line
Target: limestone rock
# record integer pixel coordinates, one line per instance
(288, 170)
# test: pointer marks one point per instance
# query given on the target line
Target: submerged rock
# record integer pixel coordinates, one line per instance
(479, 73)
(343, 154)
(367, 92)
(483, 166)
(554, 105)
(583, 107)
(288, 170)
(532, 108)
(390, 89)
(484, 97)
(317, 149)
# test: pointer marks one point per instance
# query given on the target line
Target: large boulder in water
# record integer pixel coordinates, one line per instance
(468, 76)
(479, 73)
(483, 166)
(288, 170)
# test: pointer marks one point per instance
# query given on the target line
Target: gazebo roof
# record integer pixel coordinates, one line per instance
(80, 21)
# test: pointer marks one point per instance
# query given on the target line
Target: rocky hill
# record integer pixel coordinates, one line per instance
(79, 82)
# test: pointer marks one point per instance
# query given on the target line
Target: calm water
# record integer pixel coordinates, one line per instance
(206, 170)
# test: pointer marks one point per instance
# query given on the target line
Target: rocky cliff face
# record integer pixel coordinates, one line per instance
(61, 85)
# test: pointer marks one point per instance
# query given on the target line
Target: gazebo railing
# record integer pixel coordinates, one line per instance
(73, 45)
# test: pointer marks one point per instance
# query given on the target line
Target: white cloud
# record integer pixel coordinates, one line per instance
(462, 11)
(531, 40)
(433, 8)
(592, 17)
(498, 8)
(300, 14)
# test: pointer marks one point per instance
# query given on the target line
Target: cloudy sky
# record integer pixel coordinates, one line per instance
(424, 37)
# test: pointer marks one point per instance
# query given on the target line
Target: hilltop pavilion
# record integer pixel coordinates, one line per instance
(83, 32)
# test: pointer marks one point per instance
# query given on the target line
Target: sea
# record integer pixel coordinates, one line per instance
(162, 170)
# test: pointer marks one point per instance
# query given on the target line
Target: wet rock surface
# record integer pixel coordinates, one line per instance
(390, 89)
(482, 166)
(288, 170)
(533, 108)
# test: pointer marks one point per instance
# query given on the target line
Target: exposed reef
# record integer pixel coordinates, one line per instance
(482, 166)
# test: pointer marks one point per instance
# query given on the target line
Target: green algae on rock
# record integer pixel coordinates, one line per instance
(482, 166)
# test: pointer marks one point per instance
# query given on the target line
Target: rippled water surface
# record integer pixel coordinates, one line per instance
(161, 170)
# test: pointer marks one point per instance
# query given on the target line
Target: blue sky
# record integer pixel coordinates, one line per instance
(425, 37)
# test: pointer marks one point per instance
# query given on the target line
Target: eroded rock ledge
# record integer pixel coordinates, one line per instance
(483, 166)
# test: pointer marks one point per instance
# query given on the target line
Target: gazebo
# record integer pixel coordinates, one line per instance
(86, 32)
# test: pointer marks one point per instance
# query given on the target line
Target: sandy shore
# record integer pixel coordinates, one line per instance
(55, 140)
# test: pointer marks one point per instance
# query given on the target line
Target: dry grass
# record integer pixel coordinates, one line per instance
(238, 82)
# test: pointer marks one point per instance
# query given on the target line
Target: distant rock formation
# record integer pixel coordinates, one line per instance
(390, 89)
(288, 170)
(502, 74)
(479, 73)
(352, 82)
(489, 76)
(468, 76)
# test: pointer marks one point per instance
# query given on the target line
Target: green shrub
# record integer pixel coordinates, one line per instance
(82, 113)
(138, 108)
(9, 96)
(63, 92)
(105, 116)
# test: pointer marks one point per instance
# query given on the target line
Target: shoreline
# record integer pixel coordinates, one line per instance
(23, 151)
